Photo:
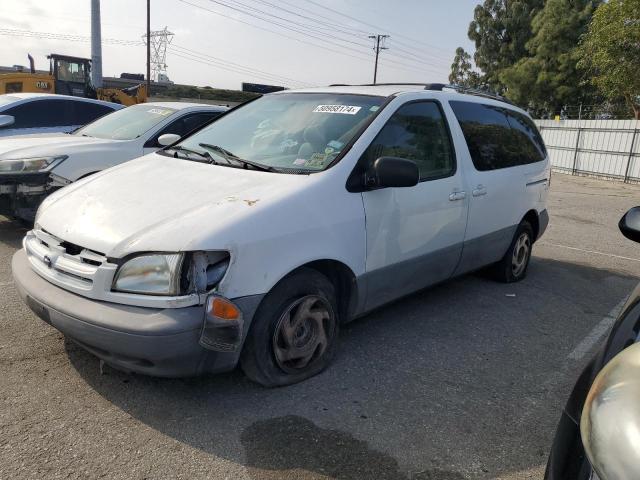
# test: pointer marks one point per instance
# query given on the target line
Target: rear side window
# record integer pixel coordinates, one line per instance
(418, 132)
(41, 113)
(529, 134)
(186, 124)
(86, 112)
(498, 137)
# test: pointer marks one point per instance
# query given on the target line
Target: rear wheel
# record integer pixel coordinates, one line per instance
(513, 266)
(293, 335)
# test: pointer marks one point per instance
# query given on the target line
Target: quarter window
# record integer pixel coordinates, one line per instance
(498, 137)
(85, 112)
(418, 132)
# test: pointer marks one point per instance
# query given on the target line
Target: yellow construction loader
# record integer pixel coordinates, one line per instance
(68, 76)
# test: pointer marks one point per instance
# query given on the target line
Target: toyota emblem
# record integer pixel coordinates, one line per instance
(47, 261)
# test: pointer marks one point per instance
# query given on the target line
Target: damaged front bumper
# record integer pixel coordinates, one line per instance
(165, 342)
(22, 193)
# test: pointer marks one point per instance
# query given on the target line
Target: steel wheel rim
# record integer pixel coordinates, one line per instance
(521, 252)
(303, 333)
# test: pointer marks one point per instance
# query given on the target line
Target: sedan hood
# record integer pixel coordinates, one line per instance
(159, 203)
(28, 146)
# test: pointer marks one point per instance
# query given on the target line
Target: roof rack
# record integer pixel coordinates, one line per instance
(468, 90)
(436, 87)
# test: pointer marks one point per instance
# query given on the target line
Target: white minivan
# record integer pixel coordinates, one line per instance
(252, 240)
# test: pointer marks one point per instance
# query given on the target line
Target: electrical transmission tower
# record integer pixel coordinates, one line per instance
(378, 41)
(158, 39)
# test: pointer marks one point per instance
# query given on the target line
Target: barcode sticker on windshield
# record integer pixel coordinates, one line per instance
(344, 109)
(159, 111)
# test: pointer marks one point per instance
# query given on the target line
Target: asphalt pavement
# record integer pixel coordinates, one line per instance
(462, 381)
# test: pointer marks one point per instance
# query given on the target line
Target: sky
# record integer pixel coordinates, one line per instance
(222, 43)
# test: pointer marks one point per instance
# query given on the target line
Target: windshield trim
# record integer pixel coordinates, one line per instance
(294, 171)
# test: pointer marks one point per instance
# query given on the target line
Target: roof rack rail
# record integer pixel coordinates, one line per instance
(468, 90)
(436, 87)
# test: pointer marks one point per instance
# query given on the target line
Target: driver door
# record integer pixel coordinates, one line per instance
(414, 234)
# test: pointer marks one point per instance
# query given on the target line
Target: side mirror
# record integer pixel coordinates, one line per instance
(630, 224)
(6, 120)
(168, 139)
(610, 422)
(392, 172)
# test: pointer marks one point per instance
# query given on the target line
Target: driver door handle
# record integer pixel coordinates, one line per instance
(457, 196)
(479, 191)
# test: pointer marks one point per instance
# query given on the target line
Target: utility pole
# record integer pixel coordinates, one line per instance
(378, 45)
(96, 45)
(148, 47)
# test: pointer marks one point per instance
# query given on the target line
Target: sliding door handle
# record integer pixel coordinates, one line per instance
(479, 191)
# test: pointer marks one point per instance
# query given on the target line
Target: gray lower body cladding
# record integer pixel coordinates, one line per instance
(158, 342)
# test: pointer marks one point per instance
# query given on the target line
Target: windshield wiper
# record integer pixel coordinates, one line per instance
(207, 157)
(228, 156)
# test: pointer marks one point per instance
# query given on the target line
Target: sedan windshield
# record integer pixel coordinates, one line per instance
(128, 123)
(290, 131)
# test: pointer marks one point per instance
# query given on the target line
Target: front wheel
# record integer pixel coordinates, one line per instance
(293, 335)
(513, 266)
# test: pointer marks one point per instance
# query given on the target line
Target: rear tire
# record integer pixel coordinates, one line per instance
(293, 334)
(513, 266)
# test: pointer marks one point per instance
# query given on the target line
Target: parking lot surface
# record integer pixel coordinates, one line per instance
(462, 381)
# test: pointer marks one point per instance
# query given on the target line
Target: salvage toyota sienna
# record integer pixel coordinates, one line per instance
(253, 239)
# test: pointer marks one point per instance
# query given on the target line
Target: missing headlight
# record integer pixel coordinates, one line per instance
(206, 270)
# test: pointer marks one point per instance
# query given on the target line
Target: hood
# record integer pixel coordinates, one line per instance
(159, 203)
(45, 145)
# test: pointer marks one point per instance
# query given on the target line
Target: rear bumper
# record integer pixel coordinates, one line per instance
(158, 342)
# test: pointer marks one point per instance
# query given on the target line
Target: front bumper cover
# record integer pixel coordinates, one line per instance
(158, 342)
(22, 193)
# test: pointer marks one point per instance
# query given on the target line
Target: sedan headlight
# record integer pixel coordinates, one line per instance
(24, 165)
(152, 274)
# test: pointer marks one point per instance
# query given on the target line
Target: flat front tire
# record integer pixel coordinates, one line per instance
(293, 335)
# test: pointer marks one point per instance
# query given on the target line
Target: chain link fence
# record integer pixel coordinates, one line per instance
(608, 149)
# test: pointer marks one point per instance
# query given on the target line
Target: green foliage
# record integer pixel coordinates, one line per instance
(548, 77)
(500, 30)
(462, 72)
(610, 51)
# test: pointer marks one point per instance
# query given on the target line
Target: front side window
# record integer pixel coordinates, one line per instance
(498, 137)
(418, 132)
(301, 132)
(128, 123)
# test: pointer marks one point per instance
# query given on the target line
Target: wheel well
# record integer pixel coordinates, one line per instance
(532, 217)
(343, 280)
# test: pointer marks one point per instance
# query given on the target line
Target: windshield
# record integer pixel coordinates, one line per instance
(298, 131)
(128, 123)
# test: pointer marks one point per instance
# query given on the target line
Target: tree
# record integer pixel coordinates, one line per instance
(500, 30)
(610, 51)
(462, 72)
(548, 77)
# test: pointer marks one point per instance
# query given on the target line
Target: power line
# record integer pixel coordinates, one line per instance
(326, 38)
(212, 59)
(334, 27)
(65, 37)
(275, 32)
(362, 22)
(197, 59)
